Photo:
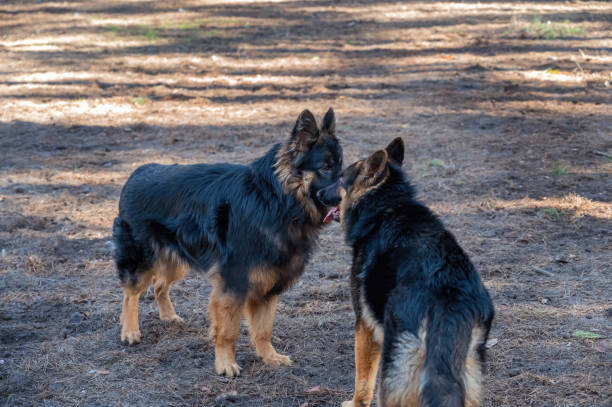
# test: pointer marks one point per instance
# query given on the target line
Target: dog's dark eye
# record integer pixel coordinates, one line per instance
(325, 168)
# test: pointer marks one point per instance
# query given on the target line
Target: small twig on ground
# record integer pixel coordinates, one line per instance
(578, 65)
(602, 153)
(542, 271)
(298, 379)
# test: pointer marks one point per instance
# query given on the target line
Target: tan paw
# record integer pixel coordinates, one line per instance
(276, 359)
(171, 318)
(349, 403)
(227, 369)
(131, 337)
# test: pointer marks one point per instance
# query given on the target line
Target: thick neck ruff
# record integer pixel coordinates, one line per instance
(296, 183)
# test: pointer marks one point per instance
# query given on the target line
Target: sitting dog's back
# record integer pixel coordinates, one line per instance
(418, 299)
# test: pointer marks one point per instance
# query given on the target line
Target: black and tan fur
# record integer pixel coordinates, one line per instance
(420, 307)
(251, 227)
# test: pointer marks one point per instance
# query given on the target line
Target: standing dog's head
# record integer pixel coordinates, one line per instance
(369, 174)
(310, 165)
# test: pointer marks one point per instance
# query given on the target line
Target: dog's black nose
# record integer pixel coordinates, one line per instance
(334, 201)
(327, 198)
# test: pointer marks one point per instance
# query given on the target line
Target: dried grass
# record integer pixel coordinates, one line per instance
(482, 133)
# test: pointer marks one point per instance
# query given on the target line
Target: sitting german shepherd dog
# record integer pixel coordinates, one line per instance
(253, 227)
(418, 299)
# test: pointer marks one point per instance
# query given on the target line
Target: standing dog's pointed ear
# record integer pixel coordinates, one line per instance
(376, 167)
(329, 123)
(305, 132)
(395, 150)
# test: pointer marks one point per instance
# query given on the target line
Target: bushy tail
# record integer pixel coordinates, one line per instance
(403, 362)
(439, 367)
(452, 373)
(129, 255)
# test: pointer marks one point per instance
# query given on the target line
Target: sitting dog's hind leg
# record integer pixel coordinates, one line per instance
(167, 270)
(260, 316)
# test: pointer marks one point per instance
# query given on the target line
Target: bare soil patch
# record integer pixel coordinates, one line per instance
(505, 115)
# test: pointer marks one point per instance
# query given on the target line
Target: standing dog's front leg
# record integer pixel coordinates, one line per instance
(225, 312)
(260, 316)
(367, 357)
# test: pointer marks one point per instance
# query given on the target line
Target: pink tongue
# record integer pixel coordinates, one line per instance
(330, 215)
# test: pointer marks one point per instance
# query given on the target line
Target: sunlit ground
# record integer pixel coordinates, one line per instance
(505, 111)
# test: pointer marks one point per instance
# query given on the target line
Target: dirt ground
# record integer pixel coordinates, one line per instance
(504, 107)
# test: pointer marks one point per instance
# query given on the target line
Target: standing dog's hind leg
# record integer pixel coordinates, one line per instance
(167, 270)
(166, 309)
(130, 332)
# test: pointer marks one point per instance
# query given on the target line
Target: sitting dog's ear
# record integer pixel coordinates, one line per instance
(329, 123)
(375, 167)
(305, 132)
(395, 150)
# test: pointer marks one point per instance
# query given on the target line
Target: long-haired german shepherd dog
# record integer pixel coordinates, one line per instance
(253, 227)
(418, 299)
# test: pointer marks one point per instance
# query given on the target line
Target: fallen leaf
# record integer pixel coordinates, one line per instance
(586, 334)
(436, 162)
(491, 342)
